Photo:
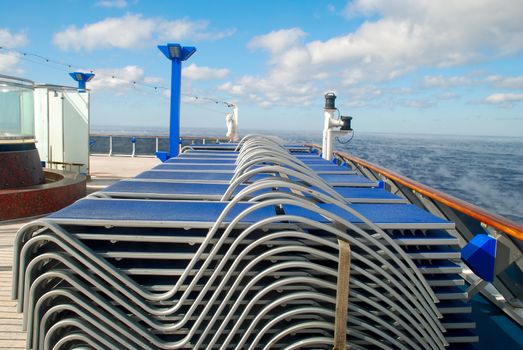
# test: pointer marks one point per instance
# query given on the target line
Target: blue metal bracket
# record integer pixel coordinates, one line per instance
(162, 156)
(82, 79)
(480, 255)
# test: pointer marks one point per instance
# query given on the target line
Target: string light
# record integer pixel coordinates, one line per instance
(25, 56)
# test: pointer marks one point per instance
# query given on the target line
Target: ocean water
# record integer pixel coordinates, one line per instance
(485, 171)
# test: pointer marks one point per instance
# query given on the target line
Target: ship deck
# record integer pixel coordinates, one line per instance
(104, 171)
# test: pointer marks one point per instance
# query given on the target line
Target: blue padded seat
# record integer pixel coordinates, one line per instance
(384, 215)
(169, 188)
(333, 179)
(132, 210)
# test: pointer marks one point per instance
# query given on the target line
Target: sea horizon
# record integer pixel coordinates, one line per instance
(220, 132)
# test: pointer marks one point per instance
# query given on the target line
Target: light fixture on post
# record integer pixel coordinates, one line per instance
(176, 53)
(82, 79)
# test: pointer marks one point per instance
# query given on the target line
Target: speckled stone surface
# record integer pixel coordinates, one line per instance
(20, 169)
(61, 189)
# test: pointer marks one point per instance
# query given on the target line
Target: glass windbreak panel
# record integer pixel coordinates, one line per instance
(16, 111)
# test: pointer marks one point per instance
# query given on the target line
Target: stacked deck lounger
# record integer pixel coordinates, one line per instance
(239, 247)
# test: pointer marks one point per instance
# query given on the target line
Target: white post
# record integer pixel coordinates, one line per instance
(110, 145)
(156, 143)
(327, 134)
(332, 126)
(236, 125)
(231, 120)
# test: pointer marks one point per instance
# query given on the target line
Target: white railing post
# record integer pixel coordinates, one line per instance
(231, 120)
(110, 145)
(330, 126)
(156, 143)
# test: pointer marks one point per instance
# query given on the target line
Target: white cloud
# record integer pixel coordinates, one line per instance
(133, 31)
(279, 40)
(407, 35)
(446, 82)
(271, 92)
(119, 79)
(112, 3)
(185, 29)
(417, 103)
(412, 34)
(195, 72)
(447, 95)
(10, 40)
(504, 98)
(396, 37)
(499, 81)
(9, 60)
(506, 82)
(152, 80)
(129, 31)
(363, 93)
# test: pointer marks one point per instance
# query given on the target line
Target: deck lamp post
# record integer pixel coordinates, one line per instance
(176, 53)
(82, 79)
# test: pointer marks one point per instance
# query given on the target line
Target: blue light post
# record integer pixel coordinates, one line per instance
(176, 53)
(82, 79)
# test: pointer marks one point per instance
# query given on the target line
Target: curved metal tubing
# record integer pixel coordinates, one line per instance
(314, 342)
(431, 320)
(279, 283)
(415, 276)
(18, 242)
(73, 322)
(100, 328)
(185, 148)
(268, 138)
(425, 289)
(278, 169)
(48, 297)
(330, 312)
(235, 198)
(281, 183)
(87, 291)
(296, 328)
(263, 155)
(77, 337)
(240, 169)
(287, 234)
(48, 255)
(351, 332)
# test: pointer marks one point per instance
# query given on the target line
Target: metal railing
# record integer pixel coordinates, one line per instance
(470, 221)
(141, 145)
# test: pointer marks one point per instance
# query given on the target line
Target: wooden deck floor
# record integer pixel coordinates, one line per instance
(11, 334)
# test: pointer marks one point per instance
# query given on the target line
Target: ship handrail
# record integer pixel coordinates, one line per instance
(165, 136)
(495, 221)
(134, 137)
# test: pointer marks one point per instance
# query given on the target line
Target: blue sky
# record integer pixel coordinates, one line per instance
(444, 67)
